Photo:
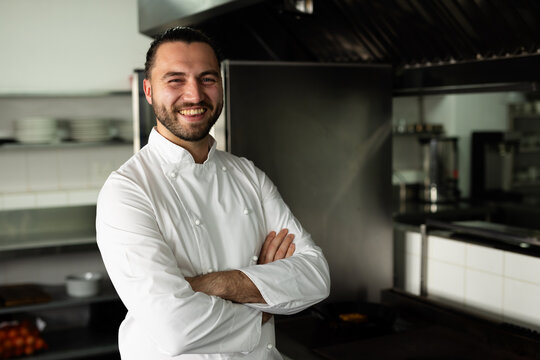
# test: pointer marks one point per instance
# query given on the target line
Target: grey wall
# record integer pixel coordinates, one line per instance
(322, 134)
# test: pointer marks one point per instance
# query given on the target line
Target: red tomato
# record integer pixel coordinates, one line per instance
(30, 339)
(8, 344)
(24, 331)
(28, 350)
(12, 333)
(18, 341)
(40, 344)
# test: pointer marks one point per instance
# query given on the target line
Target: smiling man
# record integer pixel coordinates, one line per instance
(184, 87)
(198, 243)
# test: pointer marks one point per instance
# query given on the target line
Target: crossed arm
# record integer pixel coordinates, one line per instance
(234, 285)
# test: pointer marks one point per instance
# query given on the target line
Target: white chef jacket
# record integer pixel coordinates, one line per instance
(161, 217)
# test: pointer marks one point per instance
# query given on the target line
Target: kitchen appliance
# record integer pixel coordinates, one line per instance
(492, 158)
(440, 166)
(322, 133)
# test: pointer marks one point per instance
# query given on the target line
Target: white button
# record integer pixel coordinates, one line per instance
(254, 258)
(246, 211)
(224, 168)
(210, 270)
(173, 174)
(197, 222)
(269, 346)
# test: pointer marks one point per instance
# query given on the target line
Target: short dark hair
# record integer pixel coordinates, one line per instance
(179, 33)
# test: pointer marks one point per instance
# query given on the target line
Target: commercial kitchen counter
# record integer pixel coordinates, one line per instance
(506, 226)
(426, 328)
(421, 330)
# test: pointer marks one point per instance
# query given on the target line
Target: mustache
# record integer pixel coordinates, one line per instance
(189, 104)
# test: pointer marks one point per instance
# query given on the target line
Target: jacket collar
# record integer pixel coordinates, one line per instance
(172, 153)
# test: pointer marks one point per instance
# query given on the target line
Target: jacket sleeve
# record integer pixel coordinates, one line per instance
(147, 278)
(293, 284)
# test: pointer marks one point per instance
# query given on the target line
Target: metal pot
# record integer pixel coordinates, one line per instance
(440, 165)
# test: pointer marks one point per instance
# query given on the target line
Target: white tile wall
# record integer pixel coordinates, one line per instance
(446, 281)
(13, 174)
(74, 172)
(82, 197)
(42, 170)
(101, 162)
(521, 303)
(412, 274)
(15, 201)
(522, 267)
(413, 252)
(484, 291)
(445, 250)
(51, 199)
(49, 177)
(413, 243)
(497, 284)
(484, 258)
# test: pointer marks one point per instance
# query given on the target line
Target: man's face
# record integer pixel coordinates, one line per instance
(185, 90)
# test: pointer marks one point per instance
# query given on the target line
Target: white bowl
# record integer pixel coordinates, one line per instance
(84, 284)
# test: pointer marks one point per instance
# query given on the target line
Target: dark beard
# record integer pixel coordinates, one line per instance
(193, 133)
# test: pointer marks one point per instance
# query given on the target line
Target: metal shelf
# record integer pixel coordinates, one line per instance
(62, 145)
(528, 150)
(41, 242)
(60, 299)
(71, 94)
(524, 184)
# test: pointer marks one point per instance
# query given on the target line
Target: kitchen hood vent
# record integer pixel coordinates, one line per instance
(156, 16)
(408, 34)
(400, 32)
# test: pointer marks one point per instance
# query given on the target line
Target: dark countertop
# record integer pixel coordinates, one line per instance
(421, 330)
(416, 213)
(508, 213)
(505, 226)
(430, 342)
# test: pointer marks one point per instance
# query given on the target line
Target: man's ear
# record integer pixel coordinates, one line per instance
(147, 90)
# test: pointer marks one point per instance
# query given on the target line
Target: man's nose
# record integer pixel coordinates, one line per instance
(193, 91)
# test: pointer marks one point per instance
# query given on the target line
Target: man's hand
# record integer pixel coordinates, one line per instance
(276, 247)
(266, 317)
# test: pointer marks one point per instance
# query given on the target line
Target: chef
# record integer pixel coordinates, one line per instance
(198, 243)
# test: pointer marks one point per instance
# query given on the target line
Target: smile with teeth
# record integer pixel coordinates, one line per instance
(192, 112)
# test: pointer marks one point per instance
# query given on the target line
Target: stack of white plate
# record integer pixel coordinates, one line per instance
(90, 130)
(35, 130)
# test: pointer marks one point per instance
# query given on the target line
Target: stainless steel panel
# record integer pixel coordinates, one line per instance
(323, 135)
(144, 118)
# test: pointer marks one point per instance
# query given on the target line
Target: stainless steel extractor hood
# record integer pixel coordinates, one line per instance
(158, 15)
(436, 43)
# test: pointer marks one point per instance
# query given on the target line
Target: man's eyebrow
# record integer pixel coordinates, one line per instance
(209, 72)
(179, 73)
(173, 73)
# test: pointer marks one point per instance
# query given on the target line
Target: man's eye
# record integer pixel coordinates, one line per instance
(208, 80)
